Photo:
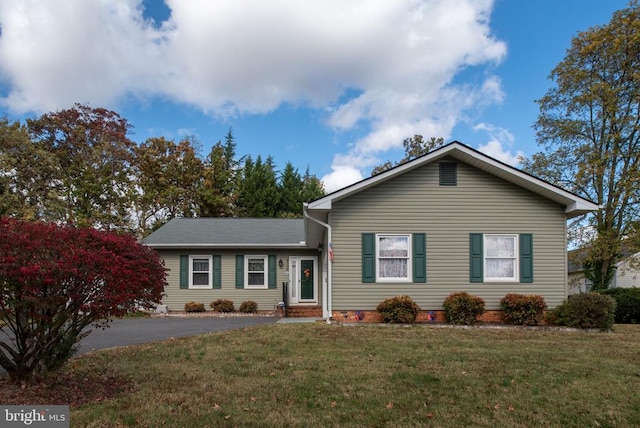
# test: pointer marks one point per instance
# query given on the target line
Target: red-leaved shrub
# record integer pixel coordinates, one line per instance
(521, 309)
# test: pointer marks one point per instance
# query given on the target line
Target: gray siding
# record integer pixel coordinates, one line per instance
(267, 299)
(414, 202)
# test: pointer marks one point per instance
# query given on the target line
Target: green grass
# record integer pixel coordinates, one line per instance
(317, 375)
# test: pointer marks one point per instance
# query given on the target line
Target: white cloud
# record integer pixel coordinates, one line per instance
(341, 176)
(56, 53)
(499, 144)
(246, 57)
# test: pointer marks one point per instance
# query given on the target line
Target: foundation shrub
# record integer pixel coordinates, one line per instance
(521, 309)
(585, 310)
(194, 307)
(248, 307)
(627, 304)
(463, 308)
(222, 305)
(398, 309)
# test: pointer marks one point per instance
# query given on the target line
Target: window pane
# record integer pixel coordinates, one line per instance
(256, 265)
(200, 279)
(500, 246)
(200, 265)
(256, 279)
(394, 246)
(393, 268)
(500, 268)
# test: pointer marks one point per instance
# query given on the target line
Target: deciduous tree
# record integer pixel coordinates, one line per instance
(28, 189)
(168, 176)
(93, 170)
(414, 147)
(57, 280)
(589, 125)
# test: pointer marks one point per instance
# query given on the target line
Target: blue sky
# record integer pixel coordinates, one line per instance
(330, 85)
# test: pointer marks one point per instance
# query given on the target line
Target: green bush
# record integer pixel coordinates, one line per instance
(398, 309)
(463, 308)
(585, 310)
(521, 309)
(194, 307)
(249, 307)
(627, 304)
(222, 305)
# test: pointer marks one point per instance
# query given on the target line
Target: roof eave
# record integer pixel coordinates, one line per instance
(224, 246)
(579, 208)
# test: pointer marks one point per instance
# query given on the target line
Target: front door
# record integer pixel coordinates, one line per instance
(307, 283)
(304, 278)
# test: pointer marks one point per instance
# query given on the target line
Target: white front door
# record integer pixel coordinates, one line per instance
(303, 280)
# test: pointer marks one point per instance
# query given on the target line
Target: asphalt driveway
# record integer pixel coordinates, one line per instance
(135, 331)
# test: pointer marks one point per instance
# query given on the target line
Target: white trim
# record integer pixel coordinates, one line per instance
(295, 280)
(265, 272)
(209, 259)
(293, 290)
(516, 257)
(409, 277)
(327, 286)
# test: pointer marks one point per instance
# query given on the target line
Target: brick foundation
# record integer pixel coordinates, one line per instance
(424, 317)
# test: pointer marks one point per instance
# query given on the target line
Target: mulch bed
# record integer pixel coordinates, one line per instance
(68, 387)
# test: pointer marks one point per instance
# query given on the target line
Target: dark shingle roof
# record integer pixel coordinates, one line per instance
(228, 232)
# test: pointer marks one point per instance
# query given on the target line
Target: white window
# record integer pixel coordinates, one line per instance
(200, 271)
(255, 272)
(393, 258)
(501, 257)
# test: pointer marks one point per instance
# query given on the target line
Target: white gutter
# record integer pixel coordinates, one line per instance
(326, 301)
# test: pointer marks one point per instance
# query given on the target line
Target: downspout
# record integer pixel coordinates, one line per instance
(326, 302)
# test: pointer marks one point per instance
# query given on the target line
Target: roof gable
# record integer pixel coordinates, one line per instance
(575, 205)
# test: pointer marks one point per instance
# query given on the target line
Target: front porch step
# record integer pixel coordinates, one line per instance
(304, 311)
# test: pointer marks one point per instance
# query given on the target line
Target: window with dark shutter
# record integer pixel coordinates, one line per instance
(448, 174)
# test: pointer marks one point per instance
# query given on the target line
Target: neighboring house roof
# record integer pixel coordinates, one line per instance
(228, 232)
(577, 257)
(575, 205)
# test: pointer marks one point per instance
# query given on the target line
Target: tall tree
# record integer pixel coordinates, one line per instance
(589, 125)
(168, 177)
(216, 195)
(27, 190)
(312, 187)
(94, 157)
(290, 192)
(414, 147)
(258, 195)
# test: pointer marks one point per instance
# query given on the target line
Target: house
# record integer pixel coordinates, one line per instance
(452, 220)
(627, 273)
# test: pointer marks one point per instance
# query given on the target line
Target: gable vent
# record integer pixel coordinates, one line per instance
(448, 174)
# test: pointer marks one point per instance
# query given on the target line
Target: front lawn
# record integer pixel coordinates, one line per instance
(332, 375)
